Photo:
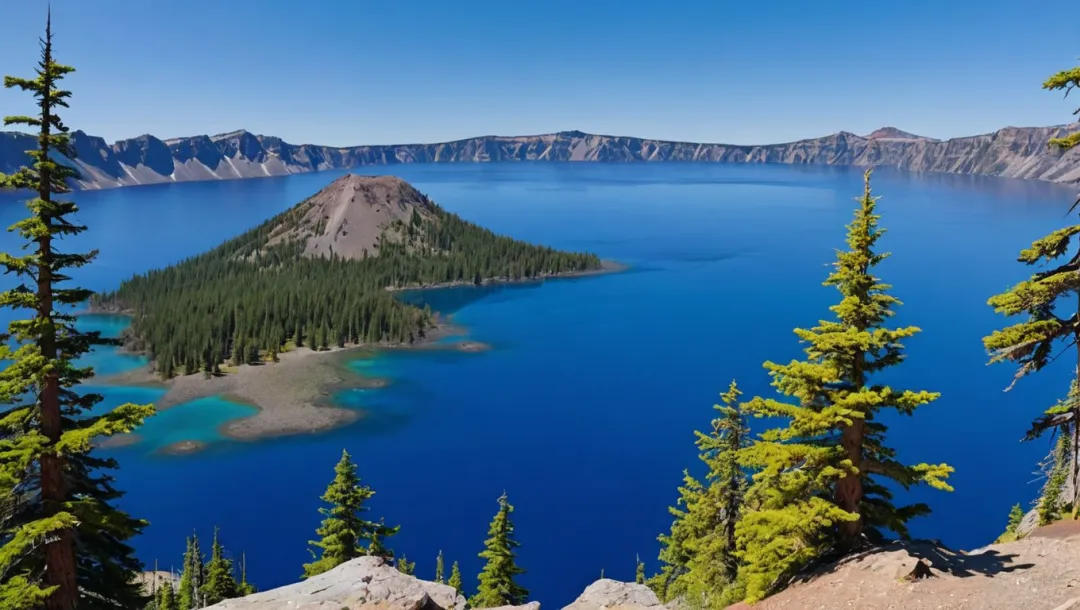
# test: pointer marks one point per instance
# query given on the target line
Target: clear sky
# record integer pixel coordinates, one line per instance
(398, 71)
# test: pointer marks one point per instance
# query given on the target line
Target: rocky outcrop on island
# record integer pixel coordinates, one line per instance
(1013, 152)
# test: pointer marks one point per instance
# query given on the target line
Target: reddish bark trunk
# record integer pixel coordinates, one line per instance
(59, 548)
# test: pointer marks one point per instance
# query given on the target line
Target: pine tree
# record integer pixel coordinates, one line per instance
(193, 576)
(1016, 516)
(455, 578)
(244, 587)
(405, 566)
(497, 586)
(440, 575)
(64, 542)
(815, 487)
(1030, 344)
(344, 531)
(639, 574)
(713, 563)
(220, 582)
(700, 551)
(1052, 504)
(166, 597)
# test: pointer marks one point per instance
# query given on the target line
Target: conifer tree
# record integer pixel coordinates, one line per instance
(1052, 504)
(405, 566)
(192, 577)
(63, 541)
(244, 587)
(639, 573)
(1016, 516)
(220, 582)
(440, 575)
(455, 578)
(343, 531)
(166, 597)
(701, 547)
(816, 485)
(1030, 344)
(497, 586)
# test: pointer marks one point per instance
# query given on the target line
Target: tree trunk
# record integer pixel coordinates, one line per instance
(849, 490)
(59, 548)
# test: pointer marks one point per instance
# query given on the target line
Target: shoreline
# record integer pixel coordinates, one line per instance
(294, 395)
(606, 266)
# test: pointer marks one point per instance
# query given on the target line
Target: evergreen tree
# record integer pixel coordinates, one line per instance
(1030, 344)
(816, 485)
(244, 587)
(166, 597)
(455, 578)
(1016, 516)
(405, 566)
(193, 576)
(497, 586)
(639, 574)
(440, 575)
(700, 552)
(63, 541)
(713, 563)
(344, 531)
(1052, 504)
(220, 582)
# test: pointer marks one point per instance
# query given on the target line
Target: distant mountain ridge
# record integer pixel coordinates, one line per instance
(1014, 152)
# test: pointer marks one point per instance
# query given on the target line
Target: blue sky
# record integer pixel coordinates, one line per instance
(360, 72)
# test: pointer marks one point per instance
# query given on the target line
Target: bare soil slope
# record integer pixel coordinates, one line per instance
(351, 215)
(1040, 572)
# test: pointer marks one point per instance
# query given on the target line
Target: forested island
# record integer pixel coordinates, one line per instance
(318, 275)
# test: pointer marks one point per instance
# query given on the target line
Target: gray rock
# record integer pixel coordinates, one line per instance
(367, 583)
(608, 594)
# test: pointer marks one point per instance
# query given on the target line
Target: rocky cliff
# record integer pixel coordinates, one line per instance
(1015, 152)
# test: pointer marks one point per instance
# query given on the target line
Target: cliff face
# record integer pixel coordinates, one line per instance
(1014, 152)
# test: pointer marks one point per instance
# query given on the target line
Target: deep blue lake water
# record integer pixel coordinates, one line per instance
(584, 409)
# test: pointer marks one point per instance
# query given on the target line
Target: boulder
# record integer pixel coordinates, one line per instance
(607, 594)
(366, 583)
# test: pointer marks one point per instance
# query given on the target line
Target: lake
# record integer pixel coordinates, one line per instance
(584, 410)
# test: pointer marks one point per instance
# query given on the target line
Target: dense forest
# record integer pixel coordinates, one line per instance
(258, 294)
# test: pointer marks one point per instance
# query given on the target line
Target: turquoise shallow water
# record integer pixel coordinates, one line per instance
(583, 410)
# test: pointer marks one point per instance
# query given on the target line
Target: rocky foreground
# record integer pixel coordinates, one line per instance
(1040, 572)
(1013, 152)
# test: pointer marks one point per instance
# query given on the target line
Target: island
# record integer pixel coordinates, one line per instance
(263, 318)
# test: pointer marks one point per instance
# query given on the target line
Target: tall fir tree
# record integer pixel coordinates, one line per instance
(193, 576)
(1030, 344)
(818, 481)
(440, 569)
(713, 564)
(64, 544)
(344, 531)
(497, 586)
(639, 571)
(220, 579)
(701, 549)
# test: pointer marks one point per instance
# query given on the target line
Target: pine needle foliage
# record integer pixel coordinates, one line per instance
(699, 556)
(818, 481)
(497, 586)
(1030, 344)
(64, 543)
(344, 532)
